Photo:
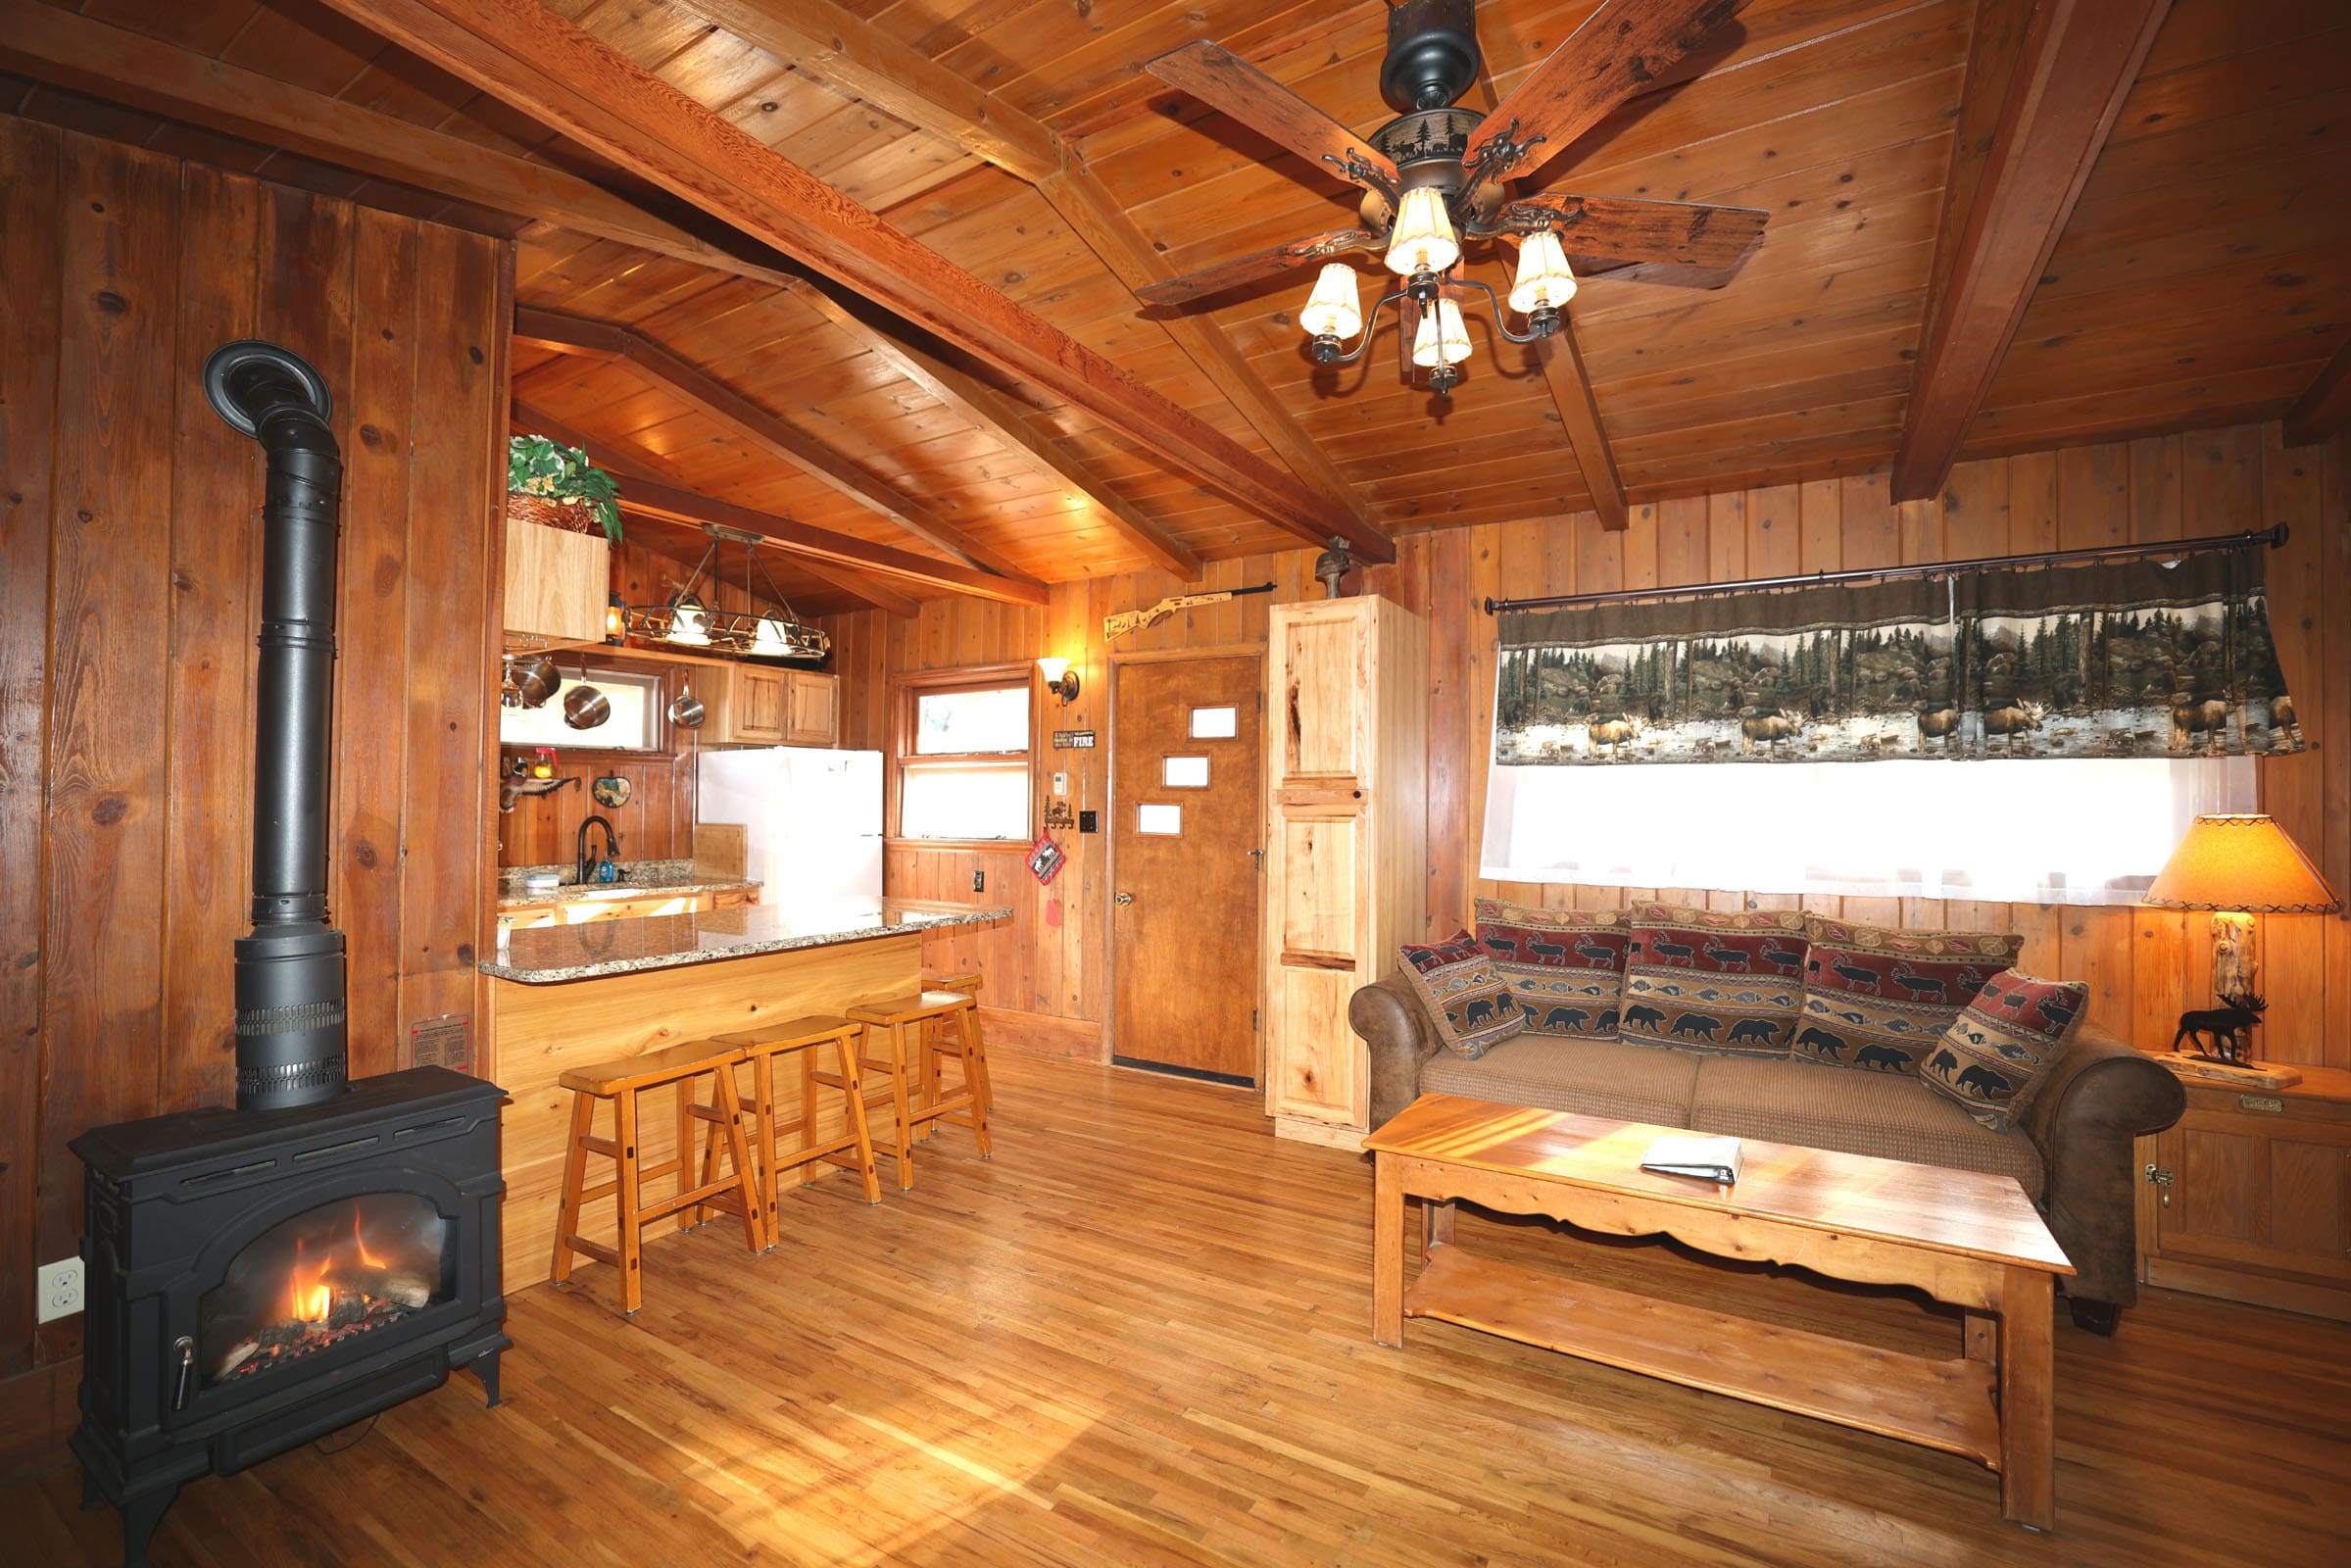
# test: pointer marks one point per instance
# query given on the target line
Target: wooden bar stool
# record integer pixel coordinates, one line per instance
(620, 1081)
(942, 1037)
(889, 1021)
(804, 1037)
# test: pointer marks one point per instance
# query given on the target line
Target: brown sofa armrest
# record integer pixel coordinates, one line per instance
(2102, 1094)
(1395, 1031)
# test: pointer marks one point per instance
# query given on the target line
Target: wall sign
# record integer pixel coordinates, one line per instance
(1074, 740)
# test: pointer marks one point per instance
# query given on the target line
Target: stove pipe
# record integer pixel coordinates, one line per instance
(292, 1037)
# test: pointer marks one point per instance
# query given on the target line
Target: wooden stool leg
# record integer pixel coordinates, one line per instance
(575, 1161)
(687, 1219)
(627, 1199)
(850, 1046)
(763, 1095)
(929, 1031)
(901, 1105)
(729, 1104)
(976, 1080)
(808, 1100)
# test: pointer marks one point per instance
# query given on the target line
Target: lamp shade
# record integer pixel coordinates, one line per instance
(1442, 339)
(1335, 308)
(1544, 281)
(2241, 863)
(1053, 669)
(1424, 240)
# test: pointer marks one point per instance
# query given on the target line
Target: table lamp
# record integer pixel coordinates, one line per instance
(2238, 865)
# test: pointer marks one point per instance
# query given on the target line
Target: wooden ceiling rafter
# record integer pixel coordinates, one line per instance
(2061, 75)
(1562, 360)
(2324, 406)
(120, 66)
(650, 363)
(861, 59)
(544, 66)
(627, 460)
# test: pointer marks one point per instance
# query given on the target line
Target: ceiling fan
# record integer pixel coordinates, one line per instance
(1433, 177)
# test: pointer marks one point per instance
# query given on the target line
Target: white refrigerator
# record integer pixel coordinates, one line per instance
(815, 821)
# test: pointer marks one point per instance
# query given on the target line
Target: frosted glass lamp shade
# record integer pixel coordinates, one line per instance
(2242, 862)
(1442, 339)
(1335, 307)
(688, 622)
(1055, 670)
(1424, 239)
(1544, 281)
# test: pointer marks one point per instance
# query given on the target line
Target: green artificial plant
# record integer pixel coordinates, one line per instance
(538, 466)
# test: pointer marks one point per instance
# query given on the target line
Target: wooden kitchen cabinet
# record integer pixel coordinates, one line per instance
(556, 586)
(2249, 1196)
(1346, 758)
(581, 911)
(763, 707)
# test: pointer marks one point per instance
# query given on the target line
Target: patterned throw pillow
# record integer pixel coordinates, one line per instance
(1880, 999)
(1997, 1054)
(1469, 1001)
(1723, 982)
(1567, 967)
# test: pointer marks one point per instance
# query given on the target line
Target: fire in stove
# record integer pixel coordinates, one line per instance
(321, 1279)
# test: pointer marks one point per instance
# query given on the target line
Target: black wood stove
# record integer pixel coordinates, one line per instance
(258, 1277)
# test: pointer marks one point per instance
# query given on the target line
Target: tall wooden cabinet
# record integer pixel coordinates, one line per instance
(1347, 684)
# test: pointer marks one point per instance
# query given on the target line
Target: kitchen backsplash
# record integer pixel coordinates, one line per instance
(641, 873)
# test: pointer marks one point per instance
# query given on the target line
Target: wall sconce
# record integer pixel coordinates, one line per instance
(1060, 679)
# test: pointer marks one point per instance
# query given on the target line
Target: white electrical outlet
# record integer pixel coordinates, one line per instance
(60, 1288)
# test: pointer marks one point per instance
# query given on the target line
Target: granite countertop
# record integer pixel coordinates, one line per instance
(625, 889)
(551, 955)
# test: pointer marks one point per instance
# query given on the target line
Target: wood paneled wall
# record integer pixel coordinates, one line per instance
(2143, 966)
(656, 824)
(129, 559)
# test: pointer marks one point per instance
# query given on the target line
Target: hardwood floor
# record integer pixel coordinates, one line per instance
(1142, 1334)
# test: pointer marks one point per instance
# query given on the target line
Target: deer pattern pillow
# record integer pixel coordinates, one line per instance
(1727, 982)
(1467, 998)
(1879, 998)
(1566, 966)
(1997, 1054)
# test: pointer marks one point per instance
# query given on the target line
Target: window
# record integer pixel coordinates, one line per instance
(635, 723)
(2047, 831)
(963, 755)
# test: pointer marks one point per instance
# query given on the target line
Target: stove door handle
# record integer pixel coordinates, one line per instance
(184, 1351)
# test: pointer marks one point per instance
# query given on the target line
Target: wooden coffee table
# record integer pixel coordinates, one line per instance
(1970, 1240)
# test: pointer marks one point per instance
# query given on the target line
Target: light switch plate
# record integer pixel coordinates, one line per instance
(60, 1288)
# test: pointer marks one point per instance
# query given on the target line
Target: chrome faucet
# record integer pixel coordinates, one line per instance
(611, 845)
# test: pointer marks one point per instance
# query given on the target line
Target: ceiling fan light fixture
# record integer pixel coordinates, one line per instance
(1424, 240)
(1544, 280)
(1442, 340)
(1335, 310)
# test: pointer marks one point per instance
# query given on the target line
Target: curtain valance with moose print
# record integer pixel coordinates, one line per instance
(2136, 658)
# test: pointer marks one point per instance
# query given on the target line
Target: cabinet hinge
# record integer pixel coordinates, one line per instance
(1253, 1020)
(2159, 1175)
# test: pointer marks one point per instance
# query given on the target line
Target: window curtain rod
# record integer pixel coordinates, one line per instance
(2167, 549)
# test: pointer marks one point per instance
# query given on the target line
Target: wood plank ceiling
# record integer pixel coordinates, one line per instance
(2203, 275)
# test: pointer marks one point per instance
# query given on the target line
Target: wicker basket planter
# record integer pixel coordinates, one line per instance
(569, 514)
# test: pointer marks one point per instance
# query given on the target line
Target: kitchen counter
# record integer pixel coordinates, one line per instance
(607, 891)
(555, 954)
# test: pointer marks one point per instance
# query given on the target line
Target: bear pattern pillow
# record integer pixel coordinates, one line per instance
(1879, 998)
(1469, 1001)
(1566, 966)
(1997, 1054)
(1727, 982)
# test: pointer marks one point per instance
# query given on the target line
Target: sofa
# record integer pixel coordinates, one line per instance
(2071, 1150)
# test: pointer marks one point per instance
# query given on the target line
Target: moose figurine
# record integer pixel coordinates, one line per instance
(2223, 1034)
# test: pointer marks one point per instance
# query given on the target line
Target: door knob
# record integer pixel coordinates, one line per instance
(1124, 898)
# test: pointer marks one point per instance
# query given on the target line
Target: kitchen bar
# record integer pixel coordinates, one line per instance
(569, 995)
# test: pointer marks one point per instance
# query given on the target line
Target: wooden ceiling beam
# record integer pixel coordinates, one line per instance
(630, 462)
(860, 58)
(1562, 360)
(535, 61)
(690, 384)
(1002, 418)
(128, 68)
(2324, 406)
(2061, 77)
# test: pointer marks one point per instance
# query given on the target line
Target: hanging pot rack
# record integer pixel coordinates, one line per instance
(2166, 550)
(743, 634)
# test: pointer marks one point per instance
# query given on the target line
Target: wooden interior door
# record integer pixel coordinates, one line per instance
(1186, 825)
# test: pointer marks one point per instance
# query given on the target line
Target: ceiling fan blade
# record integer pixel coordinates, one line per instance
(1234, 273)
(1608, 234)
(1621, 48)
(1222, 79)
